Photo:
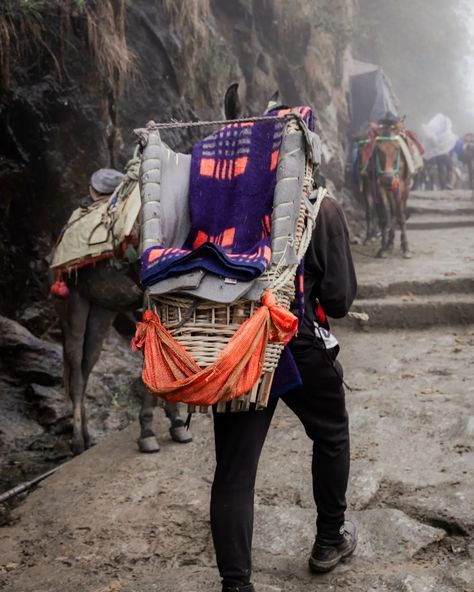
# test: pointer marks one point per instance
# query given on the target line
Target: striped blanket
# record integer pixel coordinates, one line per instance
(232, 182)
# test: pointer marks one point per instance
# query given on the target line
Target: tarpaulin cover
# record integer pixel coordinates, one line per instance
(438, 136)
(371, 96)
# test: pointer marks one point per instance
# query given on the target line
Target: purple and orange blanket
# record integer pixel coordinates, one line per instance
(233, 178)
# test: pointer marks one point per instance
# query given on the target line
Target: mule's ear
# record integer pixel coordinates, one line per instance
(399, 127)
(232, 106)
(274, 101)
(374, 128)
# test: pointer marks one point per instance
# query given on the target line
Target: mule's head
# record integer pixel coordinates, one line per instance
(388, 154)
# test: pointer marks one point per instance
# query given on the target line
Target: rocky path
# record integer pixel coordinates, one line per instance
(113, 520)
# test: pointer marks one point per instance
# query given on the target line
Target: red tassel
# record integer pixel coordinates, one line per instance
(59, 289)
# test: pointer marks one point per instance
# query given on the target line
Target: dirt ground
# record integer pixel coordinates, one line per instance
(114, 520)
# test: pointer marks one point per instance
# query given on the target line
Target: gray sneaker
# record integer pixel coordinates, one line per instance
(326, 557)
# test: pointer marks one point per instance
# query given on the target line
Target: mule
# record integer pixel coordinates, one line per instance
(364, 183)
(87, 305)
(96, 295)
(393, 185)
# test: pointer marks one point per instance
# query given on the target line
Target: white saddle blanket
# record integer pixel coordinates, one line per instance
(413, 157)
(96, 230)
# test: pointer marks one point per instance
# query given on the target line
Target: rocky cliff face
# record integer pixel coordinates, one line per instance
(56, 129)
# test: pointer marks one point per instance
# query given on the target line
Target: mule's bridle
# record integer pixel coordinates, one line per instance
(394, 173)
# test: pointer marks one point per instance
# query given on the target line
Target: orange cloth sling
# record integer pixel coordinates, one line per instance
(170, 373)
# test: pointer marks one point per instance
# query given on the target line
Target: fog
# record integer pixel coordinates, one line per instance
(427, 50)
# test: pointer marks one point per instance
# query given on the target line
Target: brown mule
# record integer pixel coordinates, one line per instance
(393, 185)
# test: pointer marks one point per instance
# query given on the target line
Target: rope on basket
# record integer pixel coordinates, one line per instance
(152, 125)
(281, 279)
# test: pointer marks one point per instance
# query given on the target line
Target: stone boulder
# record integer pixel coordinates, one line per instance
(26, 358)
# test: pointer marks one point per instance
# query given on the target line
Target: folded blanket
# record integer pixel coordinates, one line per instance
(233, 177)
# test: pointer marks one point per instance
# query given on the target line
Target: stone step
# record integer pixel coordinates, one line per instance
(439, 222)
(446, 285)
(413, 312)
(453, 195)
(420, 209)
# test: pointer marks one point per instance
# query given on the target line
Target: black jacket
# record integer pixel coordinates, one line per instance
(329, 275)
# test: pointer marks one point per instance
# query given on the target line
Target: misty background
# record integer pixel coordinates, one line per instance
(426, 48)
(77, 76)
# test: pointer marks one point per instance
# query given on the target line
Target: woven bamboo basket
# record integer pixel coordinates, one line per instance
(204, 327)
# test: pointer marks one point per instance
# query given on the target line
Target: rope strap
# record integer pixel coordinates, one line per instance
(172, 374)
(152, 125)
(278, 279)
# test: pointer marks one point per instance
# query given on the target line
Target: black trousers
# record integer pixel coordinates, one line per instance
(239, 438)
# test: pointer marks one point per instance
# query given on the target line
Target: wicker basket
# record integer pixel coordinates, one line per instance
(204, 327)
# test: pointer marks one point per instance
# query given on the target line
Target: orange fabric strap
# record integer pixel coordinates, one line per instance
(171, 373)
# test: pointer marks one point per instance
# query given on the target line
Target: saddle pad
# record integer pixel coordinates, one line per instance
(407, 154)
(96, 230)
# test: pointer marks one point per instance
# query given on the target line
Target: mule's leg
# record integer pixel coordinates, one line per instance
(385, 220)
(99, 322)
(73, 314)
(367, 224)
(375, 217)
(147, 442)
(402, 221)
(369, 214)
(177, 430)
(393, 197)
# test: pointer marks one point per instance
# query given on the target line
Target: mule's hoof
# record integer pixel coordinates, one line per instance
(181, 434)
(382, 254)
(77, 447)
(148, 444)
(88, 442)
(407, 254)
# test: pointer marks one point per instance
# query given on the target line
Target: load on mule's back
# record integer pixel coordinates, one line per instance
(385, 158)
(221, 279)
(396, 156)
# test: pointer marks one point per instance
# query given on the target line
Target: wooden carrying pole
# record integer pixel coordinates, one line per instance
(26, 485)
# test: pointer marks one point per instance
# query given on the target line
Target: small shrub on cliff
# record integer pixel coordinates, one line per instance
(35, 30)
